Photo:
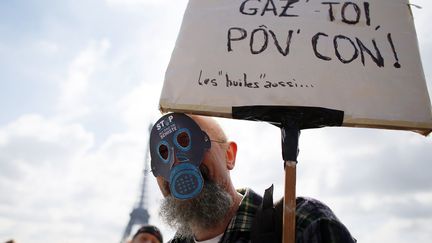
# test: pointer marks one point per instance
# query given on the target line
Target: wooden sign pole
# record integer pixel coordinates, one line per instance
(290, 136)
(289, 202)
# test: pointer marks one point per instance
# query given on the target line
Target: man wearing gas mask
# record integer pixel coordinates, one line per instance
(191, 159)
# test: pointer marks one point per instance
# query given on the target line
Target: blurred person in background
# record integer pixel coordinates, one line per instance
(147, 234)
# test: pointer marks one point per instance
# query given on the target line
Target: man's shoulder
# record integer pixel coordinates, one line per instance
(312, 209)
(316, 222)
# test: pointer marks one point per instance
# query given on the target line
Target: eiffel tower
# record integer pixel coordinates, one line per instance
(139, 215)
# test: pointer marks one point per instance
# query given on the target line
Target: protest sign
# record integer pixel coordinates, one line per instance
(359, 57)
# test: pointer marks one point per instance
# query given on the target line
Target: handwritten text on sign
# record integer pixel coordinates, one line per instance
(262, 38)
(227, 80)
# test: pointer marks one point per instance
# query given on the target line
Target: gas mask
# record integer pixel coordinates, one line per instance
(177, 147)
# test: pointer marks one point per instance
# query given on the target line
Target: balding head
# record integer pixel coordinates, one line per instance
(211, 127)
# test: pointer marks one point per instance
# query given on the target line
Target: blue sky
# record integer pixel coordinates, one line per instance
(80, 82)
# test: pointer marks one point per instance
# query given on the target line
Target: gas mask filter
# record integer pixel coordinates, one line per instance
(177, 147)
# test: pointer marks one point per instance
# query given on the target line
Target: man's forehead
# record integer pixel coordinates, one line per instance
(202, 121)
(209, 125)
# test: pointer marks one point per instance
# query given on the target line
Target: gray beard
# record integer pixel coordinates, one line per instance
(205, 211)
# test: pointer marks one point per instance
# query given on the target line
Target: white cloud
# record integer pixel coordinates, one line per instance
(140, 106)
(47, 46)
(42, 153)
(63, 186)
(73, 89)
(407, 231)
(36, 141)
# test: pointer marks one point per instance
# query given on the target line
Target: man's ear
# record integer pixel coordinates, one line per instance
(231, 154)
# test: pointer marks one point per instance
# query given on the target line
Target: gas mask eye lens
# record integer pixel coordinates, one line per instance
(183, 139)
(164, 151)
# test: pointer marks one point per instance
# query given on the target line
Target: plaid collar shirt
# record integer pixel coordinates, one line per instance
(315, 222)
(239, 228)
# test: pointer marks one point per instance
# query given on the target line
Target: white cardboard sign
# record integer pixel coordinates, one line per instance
(360, 57)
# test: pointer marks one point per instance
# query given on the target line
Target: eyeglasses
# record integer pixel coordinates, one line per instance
(217, 141)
